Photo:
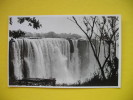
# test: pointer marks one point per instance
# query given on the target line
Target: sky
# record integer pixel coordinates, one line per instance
(57, 24)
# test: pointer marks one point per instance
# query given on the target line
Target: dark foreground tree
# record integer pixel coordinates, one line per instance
(107, 28)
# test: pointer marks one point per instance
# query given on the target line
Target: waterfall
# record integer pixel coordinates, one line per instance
(68, 61)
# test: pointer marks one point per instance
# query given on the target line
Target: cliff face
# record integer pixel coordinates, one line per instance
(88, 62)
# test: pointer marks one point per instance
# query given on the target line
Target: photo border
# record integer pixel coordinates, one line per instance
(120, 54)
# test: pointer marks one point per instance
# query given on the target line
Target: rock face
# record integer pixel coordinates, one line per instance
(88, 62)
(68, 61)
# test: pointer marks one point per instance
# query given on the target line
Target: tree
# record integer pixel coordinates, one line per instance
(16, 34)
(31, 22)
(109, 34)
(105, 36)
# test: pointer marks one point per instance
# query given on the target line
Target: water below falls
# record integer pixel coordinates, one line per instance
(68, 61)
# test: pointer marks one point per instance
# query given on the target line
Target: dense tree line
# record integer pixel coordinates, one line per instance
(20, 33)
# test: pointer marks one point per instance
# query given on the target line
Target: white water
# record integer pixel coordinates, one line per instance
(51, 58)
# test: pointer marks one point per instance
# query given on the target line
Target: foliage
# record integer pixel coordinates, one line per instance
(31, 21)
(95, 81)
(16, 34)
(33, 82)
(61, 35)
(105, 30)
(10, 21)
(20, 33)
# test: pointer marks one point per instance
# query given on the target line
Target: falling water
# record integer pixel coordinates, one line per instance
(66, 61)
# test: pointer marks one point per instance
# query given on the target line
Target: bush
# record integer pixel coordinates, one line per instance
(16, 34)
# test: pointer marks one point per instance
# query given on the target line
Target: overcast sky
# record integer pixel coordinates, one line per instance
(57, 24)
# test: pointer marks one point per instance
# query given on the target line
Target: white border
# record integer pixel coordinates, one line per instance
(120, 52)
